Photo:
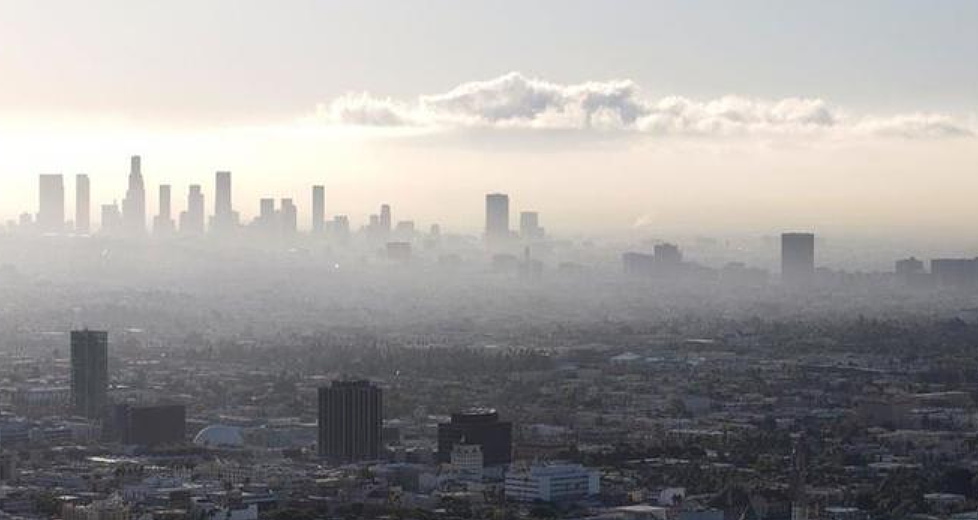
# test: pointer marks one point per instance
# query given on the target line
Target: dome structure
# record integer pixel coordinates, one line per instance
(219, 436)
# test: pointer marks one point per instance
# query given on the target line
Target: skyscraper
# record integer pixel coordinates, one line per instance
(530, 226)
(51, 209)
(497, 219)
(350, 421)
(267, 220)
(225, 219)
(288, 217)
(111, 219)
(134, 205)
(163, 223)
(83, 204)
(385, 220)
(318, 209)
(89, 372)
(797, 258)
(192, 220)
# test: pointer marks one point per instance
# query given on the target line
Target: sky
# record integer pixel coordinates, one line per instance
(664, 117)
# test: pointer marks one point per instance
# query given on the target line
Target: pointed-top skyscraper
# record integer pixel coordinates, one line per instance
(134, 205)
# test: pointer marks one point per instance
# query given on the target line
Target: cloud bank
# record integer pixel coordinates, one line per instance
(515, 101)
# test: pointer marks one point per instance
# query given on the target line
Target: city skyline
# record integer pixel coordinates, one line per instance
(847, 119)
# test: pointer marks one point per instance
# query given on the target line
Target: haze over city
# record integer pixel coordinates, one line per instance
(551, 260)
(737, 121)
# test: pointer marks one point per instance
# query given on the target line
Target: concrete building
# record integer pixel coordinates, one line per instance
(797, 258)
(51, 207)
(83, 204)
(557, 483)
(497, 219)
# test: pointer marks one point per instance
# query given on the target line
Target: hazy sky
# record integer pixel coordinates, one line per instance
(675, 116)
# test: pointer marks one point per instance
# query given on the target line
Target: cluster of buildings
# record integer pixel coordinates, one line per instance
(748, 420)
(274, 217)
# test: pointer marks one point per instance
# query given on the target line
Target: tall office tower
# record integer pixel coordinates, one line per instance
(350, 421)
(111, 218)
(89, 372)
(340, 228)
(497, 219)
(530, 226)
(797, 258)
(83, 204)
(225, 218)
(163, 223)
(267, 209)
(385, 219)
(192, 220)
(267, 220)
(51, 210)
(318, 209)
(134, 205)
(480, 427)
(288, 216)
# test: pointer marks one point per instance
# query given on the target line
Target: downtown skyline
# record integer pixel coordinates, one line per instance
(664, 118)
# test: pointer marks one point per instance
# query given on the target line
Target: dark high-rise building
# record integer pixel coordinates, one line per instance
(797, 258)
(350, 421)
(192, 220)
(151, 425)
(89, 372)
(134, 205)
(51, 207)
(225, 219)
(83, 204)
(318, 208)
(481, 427)
(497, 219)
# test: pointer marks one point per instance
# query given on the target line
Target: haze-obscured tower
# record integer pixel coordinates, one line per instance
(51, 206)
(83, 204)
(350, 421)
(225, 219)
(497, 219)
(385, 220)
(797, 258)
(530, 226)
(192, 220)
(318, 209)
(288, 217)
(163, 223)
(134, 205)
(89, 372)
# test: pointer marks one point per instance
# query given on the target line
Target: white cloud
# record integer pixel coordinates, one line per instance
(915, 125)
(516, 101)
(365, 110)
